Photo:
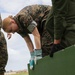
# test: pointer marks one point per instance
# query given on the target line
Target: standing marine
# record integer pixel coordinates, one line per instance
(3, 51)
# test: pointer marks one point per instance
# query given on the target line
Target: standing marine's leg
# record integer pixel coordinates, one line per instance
(46, 38)
(46, 43)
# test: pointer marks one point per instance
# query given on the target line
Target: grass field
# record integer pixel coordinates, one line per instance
(17, 73)
(21, 73)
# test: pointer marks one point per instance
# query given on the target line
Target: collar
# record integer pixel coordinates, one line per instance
(17, 21)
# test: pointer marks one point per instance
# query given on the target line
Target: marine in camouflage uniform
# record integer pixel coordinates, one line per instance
(37, 13)
(61, 20)
(3, 51)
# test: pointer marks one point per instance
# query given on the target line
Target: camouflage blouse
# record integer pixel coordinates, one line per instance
(30, 17)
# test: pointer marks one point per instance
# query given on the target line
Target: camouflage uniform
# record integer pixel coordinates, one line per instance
(30, 17)
(3, 51)
(61, 20)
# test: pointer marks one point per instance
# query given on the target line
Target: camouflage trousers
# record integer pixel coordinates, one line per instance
(46, 43)
(3, 53)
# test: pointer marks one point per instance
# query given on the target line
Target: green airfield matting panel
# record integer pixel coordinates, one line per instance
(63, 63)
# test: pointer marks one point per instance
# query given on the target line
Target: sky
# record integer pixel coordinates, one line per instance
(18, 53)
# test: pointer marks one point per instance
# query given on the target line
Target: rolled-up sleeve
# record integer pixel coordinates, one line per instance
(28, 22)
(32, 26)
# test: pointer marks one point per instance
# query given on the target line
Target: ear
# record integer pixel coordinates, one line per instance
(12, 21)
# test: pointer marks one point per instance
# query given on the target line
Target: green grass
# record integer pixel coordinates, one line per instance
(21, 73)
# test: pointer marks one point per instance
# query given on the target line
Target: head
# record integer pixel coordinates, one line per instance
(9, 25)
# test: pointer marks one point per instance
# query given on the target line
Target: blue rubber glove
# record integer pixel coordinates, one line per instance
(31, 64)
(38, 55)
(32, 61)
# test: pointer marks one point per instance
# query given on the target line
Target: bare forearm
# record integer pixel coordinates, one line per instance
(37, 42)
(29, 43)
(30, 46)
(37, 38)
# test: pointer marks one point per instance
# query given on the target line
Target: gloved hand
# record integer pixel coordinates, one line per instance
(55, 48)
(38, 55)
(31, 64)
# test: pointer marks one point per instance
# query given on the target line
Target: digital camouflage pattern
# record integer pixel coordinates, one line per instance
(36, 13)
(3, 51)
(30, 17)
(46, 43)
